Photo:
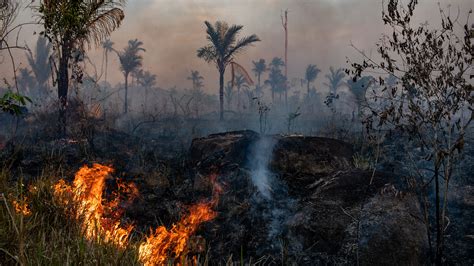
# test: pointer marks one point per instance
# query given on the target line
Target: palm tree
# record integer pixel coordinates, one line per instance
(335, 79)
(108, 47)
(26, 81)
(147, 80)
(240, 82)
(130, 60)
(277, 62)
(222, 48)
(136, 74)
(69, 24)
(197, 79)
(40, 64)
(311, 74)
(359, 89)
(259, 67)
(229, 94)
(276, 80)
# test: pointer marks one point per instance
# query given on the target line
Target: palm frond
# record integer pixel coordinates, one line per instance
(208, 53)
(241, 45)
(101, 18)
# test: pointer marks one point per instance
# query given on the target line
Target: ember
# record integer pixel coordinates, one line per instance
(21, 207)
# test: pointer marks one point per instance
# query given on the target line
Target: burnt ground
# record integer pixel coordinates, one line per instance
(320, 209)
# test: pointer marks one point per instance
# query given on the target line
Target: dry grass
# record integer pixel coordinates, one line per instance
(47, 236)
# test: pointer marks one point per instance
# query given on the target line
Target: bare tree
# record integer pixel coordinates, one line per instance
(432, 100)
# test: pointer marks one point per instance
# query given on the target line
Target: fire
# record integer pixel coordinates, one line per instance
(99, 218)
(163, 243)
(21, 207)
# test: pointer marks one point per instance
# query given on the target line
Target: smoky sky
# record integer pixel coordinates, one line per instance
(319, 32)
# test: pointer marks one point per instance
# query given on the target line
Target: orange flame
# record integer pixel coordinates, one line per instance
(163, 243)
(21, 207)
(99, 218)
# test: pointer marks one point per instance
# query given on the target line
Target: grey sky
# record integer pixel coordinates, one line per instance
(320, 32)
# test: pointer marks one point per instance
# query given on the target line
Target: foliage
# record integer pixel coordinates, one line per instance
(222, 48)
(311, 74)
(196, 79)
(276, 80)
(430, 98)
(13, 103)
(147, 79)
(259, 67)
(8, 13)
(80, 22)
(359, 88)
(229, 94)
(69, 25)
(40, 63)
(292, 117)
(335, 81)
(263, 110)
(130, 60)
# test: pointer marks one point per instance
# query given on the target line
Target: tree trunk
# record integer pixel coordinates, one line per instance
(63, 86)
(238, 99)
(146, 98)
(221, 94)
(125, 107)
(438, 225)
(106, 64)
(308, 88)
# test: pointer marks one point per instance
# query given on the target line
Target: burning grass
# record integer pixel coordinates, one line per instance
(54, 222)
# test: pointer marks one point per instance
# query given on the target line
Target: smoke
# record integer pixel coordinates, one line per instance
(260, 156)
(272, 202)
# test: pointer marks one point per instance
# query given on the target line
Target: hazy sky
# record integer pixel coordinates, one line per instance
(320, 32)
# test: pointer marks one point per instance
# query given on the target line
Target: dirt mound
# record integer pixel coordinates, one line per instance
(321, 209)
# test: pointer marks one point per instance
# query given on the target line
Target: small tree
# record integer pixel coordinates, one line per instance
(432, 100)
(335, 81)
(196, 79)
(311, 74)
(148, 80)
(130, 60)
(69, 25)
(259, 67)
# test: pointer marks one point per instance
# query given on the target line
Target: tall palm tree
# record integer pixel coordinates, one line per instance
(229, 94)
(222, 48)
(311, 74)
(130, 60)
(40, 64)
(276, 80)
(259, 67)
(108, 47)
(69, 25)
(136, 74)
(240, 82)
(335, 79)
(147, 80)
(359, 89)
(26, 81)
(276, 63)
(196, 79)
